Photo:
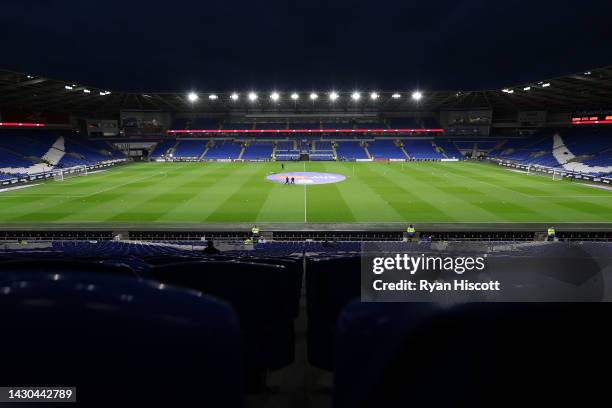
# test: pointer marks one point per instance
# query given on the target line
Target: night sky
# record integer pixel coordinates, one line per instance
(232, 45)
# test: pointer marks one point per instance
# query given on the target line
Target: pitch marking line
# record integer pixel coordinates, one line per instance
(305, 205)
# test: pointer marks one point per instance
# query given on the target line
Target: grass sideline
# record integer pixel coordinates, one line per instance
(372, 193)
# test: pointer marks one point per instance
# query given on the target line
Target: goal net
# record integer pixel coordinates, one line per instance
(63, 174)
(556, 176)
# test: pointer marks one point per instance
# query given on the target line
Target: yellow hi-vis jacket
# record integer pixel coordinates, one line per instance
(551, 231)
(411, 230)
(255, 230)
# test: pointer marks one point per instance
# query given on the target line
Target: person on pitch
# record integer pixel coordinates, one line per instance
(292, 180)
(287, 180)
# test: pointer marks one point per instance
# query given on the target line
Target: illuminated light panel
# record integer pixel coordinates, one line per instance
(592, 122)
(305, 131)
(24, 124)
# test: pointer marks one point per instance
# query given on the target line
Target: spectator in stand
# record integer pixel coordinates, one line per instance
(210, 248)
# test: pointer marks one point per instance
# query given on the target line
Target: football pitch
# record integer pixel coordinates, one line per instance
(201, 193)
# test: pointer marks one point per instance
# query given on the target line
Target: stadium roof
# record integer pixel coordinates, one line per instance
(580, 91)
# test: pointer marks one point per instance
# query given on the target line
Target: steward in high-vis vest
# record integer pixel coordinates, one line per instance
(255, 230)
(551, 233)
(411, 231)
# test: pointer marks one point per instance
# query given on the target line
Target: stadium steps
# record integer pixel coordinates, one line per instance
(204, 153)
(456, 147)
(439, 149)
(241, 152)
(172, 149)
(499, 145)
(365, 147)
(401, 146)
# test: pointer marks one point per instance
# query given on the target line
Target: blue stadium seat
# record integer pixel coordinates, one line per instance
(262, 295)
(470, 355)
(331, 283)
(119, 339)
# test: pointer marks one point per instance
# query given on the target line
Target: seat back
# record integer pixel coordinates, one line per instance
(118, 339)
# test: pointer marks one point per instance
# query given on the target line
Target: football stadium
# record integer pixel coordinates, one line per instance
(305, 244)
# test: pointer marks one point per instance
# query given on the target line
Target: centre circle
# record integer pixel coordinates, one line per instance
(306, 178)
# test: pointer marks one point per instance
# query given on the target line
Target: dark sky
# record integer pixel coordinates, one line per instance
(228, 45)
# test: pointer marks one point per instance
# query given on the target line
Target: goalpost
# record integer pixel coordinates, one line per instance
(63, 174)
(556, 175)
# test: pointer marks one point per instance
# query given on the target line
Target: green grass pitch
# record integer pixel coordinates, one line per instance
(372, 193)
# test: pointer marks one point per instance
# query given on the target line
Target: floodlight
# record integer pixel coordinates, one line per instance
(252, 96)
(234, 96)
(192, 97)
(417, 95)
(274, 96)
(212, 97)
(295, 96)
(86, 90)
(396, 96)
(355, 96)
(527, 88)
(333, 96)
(313, 96)
(546, 85)
(374, 96)
(68, 87)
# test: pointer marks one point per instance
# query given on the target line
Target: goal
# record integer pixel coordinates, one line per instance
(62, 174)
(556, 176)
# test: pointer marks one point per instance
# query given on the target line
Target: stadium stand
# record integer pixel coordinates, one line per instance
(189, 149)
(350, 151)
(387, 149)
(162, 148)
(449, 148)
(258, 151)
(223, 150)
(36, 152)
(421, 149)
